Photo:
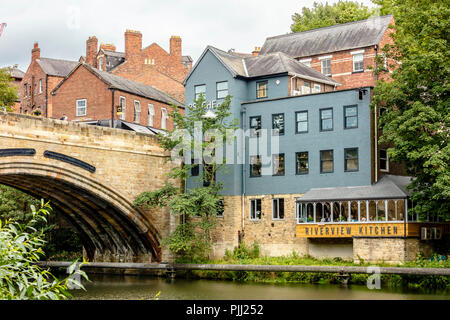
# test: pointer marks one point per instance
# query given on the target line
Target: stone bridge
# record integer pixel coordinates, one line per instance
(91, 175)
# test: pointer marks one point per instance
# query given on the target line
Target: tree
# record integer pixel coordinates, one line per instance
(8, 92)
(199, 206)
(20, 248)
(324, 15)
(417, 121)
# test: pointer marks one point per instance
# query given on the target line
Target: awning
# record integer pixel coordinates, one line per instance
(389, 187)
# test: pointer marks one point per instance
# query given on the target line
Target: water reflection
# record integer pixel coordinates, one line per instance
(111, 287)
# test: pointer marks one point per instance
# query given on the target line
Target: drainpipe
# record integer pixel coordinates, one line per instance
(244, 166)
(112, 108)
(376, 120)
(46, 95)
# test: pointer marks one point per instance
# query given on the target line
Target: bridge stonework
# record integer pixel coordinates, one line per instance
(92, 175)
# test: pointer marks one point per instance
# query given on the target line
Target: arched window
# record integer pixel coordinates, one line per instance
(151, 114)
(163, 118)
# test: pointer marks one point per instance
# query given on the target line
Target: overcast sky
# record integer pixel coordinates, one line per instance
(62, 27)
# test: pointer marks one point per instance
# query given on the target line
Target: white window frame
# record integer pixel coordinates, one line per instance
(151, 115)
(278, 211)
(253, 214)
(197, 94)
(324, 59)
(164, 118)
(137, 112)
(387, 161)
(355, 55)
(124, 107)
(78, 114)
(306, 62)
(40, 86)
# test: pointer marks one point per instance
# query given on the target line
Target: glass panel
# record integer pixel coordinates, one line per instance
(302, 162)
(351, 122)
(255, 166)
(278, 122)
(278, 164)
(310, 212)
(302, 116)
(354, 211)
(350, 111)
(281, 208)
(351, 159)
(261, 89)
(372, 210)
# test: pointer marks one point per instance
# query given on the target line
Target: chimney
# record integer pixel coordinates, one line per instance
(107, 46)
(91, 51)
(133, 46)
(255, 52)
(35, 52)
(175, 46)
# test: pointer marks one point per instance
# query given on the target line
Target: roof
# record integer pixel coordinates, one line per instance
(56, 67)
(17, 73)
(113, 58)
(388, 187)
(121, 124)
(248, 66)
(339, 37)
(186, 59)
(119, 83)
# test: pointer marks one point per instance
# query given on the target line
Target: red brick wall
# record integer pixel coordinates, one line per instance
(83, 84)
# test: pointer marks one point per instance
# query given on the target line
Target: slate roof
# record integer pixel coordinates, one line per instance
(388, 187)
(113, 59)
(17, 73)
(339, 37)
(248, 66)
(119, 83)
(56, 67)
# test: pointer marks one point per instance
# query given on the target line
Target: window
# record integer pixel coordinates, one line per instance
(278, 209)
(326, 161)
(195, 169)
(255, 126)
(302, 163)
(350, 117)
(278, 164)
(351, 159)
(317, 88)
(123, 105)
(81, 108)
(278, 123)
(384, 160)
(163, 118)
(220, 208)
(100, 64)
(326, 67)
(151, 114)
(326, 119)
(307, 87)
(358, 62)
(261, 89)
(40, 86)
(221, 89)
(200, 89)
(255, 166)
(255, 209)
(137, 111)
(306, 62)
(26, 90)
(301, 119)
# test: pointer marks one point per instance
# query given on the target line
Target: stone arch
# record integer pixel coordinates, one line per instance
(109, 226)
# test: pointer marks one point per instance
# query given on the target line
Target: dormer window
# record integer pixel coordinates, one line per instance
(100, 64)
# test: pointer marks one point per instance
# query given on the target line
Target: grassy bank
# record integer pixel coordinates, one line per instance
(251, 255)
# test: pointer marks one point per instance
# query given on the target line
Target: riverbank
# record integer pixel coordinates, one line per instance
(250, 256)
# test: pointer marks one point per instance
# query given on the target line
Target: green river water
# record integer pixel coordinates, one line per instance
(112, 287)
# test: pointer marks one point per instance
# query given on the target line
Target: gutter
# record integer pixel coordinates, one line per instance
(376, 120)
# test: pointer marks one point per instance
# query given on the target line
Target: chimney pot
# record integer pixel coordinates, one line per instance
(35, 52)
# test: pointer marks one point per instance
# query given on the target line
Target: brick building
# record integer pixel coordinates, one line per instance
(41, 77)
(151, 65)
(345, 52)
(88, 94)
(16, 76)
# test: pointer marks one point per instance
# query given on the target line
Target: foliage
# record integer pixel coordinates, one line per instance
(324, 15)
(16, 205)
(196, 209)
(239, 256)
(417, 121)
(8, 92)
(243, 252)
(20, 249)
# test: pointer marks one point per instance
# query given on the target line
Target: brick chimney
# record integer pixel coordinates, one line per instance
(107, 46)
(255, 52)
(133, 46)
(91, 51)
(175, 46)
(35, 52)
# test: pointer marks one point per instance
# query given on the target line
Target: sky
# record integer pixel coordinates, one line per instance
(62, 27)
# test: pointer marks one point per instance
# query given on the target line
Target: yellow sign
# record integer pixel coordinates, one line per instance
(119, 110)
(348, 230)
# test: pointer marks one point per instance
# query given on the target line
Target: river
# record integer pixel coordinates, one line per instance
(112, 287)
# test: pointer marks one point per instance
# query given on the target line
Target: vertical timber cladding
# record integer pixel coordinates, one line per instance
(348, 230)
